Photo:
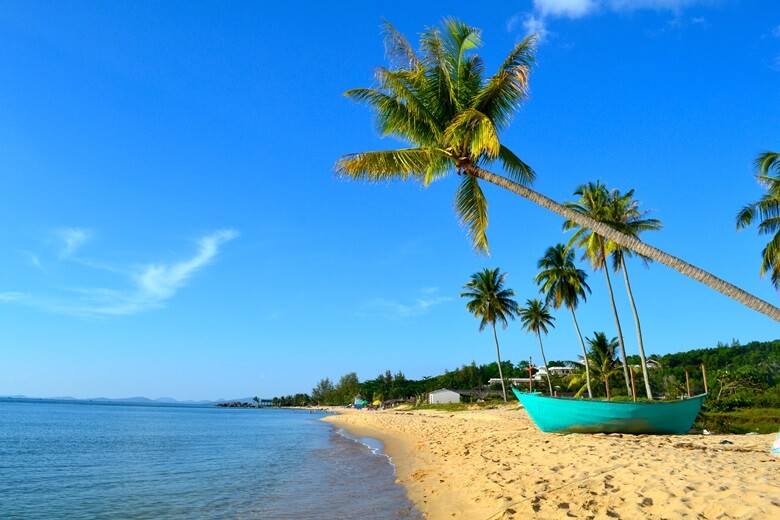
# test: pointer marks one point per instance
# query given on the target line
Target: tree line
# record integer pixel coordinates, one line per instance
(738, 376)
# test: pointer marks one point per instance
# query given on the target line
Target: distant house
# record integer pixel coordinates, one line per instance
(651, 363)
(443, 396)
(514, 381)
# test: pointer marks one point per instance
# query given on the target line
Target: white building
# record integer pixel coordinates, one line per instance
(443, 396)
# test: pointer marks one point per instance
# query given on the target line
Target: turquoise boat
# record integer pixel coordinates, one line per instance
(564, 415)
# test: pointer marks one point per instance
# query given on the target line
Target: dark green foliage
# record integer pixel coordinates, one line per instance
(744, 384)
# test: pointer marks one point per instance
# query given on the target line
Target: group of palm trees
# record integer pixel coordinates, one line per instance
(492, 302)
(440, 102)
(562, 283)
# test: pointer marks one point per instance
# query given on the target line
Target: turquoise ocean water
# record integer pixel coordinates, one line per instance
(87, 460)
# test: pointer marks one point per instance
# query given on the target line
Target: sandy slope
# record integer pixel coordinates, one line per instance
(493, 464)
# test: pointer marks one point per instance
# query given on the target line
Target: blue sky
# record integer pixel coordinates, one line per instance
(173, 226)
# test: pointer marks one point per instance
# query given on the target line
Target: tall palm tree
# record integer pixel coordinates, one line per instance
(491, 302)
(439, 101)
(767, 208)
(626, 215)
(564, 284)
(595, 201)
(536, 318)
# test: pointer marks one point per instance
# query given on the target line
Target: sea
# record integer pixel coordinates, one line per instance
(96, 460)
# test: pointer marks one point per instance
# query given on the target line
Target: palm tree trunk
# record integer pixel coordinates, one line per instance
(617, 322)
(498, 358)
(544, 360)
(634, 244)
(584, 353)
(642, 358)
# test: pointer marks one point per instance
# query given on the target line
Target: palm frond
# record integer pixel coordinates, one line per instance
(395, 117)
(771, 260)
(745, 216)
(768, 161)
(515, 167)
(770, 225)
(471, 207)
(399, 52)
(388, 164)
(508, 88)
(438, 71)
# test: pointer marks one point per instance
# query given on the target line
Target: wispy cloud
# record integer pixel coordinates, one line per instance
(418, 306)
(72, 239)
(658, 5)
(567, 8)
(147, 286)
(536, 21)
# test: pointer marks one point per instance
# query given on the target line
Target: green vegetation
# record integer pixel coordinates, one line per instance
(743, 383)
(746, 420)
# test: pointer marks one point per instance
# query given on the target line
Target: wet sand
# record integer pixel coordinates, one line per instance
(495, 464)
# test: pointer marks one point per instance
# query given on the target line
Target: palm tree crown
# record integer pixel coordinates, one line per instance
(768, 210)
(623, 214)
(489, 299)
(440, 102)
(536, 318)
(603, 362)
(560, 279)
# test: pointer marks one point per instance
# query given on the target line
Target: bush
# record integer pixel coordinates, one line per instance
(760, 420)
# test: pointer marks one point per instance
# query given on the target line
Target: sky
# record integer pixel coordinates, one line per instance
(173, 226)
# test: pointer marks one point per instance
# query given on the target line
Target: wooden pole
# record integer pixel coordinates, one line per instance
(687, 383)
(633, 384)
(530, 375)
(704, 376)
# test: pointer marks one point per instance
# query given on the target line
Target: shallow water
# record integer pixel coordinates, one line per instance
(86, 460)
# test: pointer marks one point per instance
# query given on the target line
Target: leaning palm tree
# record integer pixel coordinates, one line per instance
(439, 101)
(626, 215)
(564, 284)
(491, 302)
(536, 318)
(767, 208)
(595, 200)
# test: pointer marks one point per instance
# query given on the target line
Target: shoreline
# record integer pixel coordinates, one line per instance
(495, 464)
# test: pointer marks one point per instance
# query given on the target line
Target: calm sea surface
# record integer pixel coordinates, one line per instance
(86, 460)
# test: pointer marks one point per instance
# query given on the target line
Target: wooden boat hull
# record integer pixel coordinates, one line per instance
(562, 415)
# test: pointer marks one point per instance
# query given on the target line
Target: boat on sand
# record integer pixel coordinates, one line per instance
(565, 415)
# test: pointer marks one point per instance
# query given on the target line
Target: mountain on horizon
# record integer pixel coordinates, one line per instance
(159, 400)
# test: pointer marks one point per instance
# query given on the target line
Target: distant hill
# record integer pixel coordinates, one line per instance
(138, 400)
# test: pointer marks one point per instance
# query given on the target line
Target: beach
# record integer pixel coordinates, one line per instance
(495, 464)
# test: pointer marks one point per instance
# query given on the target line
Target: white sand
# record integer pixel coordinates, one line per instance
(492, 464)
